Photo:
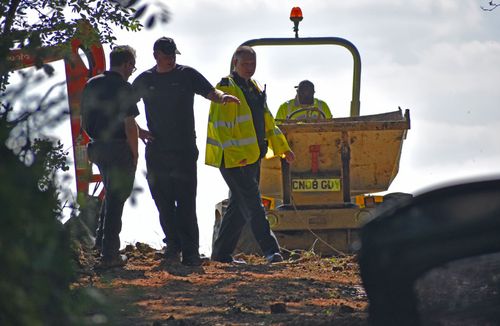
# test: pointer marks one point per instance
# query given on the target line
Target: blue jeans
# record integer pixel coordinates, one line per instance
(245, 204)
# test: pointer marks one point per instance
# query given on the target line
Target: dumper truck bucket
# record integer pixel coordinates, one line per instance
(337, 159)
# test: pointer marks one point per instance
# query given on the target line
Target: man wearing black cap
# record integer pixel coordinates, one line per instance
(167, 91)
(304, 105)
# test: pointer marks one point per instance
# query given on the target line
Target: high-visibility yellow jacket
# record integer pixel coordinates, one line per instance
(291, 106)
(231, 133)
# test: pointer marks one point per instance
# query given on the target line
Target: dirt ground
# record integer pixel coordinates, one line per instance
(303, 290)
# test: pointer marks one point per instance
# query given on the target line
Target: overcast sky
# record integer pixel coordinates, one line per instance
(438, 58)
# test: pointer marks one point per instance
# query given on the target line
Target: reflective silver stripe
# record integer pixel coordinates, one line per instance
(320, 107)
(231, 124)
(213, 142)
(239, 142)
(232, 142)
(227, 124)
(243, 118)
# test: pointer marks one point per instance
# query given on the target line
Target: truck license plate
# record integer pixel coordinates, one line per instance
(306, 185)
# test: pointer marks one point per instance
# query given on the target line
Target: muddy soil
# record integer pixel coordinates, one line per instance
(303, 290)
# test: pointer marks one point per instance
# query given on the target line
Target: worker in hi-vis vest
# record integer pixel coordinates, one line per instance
(304, 105)
(238, 137)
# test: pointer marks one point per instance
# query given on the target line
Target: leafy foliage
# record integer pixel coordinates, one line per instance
(31, 24)
(30, 21)
(54, 158)
(34, 249)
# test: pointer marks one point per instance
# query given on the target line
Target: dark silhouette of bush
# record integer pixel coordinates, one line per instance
(35, 251)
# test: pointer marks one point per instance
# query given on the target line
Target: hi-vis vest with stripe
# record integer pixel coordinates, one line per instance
(289, 107)
(231, 133)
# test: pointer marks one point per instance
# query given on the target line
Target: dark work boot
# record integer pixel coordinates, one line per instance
(111, 262)
(192, 260)
(172, 255)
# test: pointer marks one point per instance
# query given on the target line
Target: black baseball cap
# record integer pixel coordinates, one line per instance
(166, 45)
(305, 83)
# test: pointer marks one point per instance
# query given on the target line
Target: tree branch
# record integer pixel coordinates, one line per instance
(492, 7)
(9, 18)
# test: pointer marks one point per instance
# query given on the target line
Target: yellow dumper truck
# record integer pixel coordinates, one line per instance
(322, 199)
(324, 196)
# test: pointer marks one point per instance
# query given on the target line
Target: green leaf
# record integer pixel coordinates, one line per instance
(151, 21)
(140, 11)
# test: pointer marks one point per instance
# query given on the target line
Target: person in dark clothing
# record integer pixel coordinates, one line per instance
(168, 90)
(108, 110)
(237, 139)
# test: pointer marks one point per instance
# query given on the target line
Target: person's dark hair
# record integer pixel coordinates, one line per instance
(121, 54)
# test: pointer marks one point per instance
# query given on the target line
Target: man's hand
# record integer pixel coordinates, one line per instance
(228, 98)
(289, 157)
(219, 96)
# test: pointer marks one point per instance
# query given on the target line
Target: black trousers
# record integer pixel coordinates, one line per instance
(172, 179)
(245, 204)
(117, 168)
